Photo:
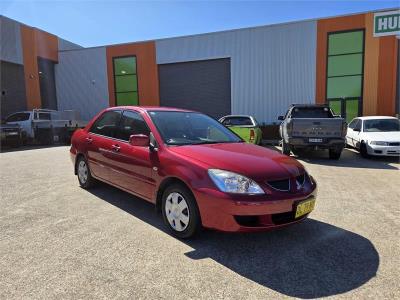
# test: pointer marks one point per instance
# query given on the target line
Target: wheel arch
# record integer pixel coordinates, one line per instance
(164, 184)
(78, 156)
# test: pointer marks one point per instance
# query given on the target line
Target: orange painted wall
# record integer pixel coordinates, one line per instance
(36, 43)
(146, 68)
(323, 27)
(371, 68)
(380, 63)
(387, 75)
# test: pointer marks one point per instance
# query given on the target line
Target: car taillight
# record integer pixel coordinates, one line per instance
(252, 135)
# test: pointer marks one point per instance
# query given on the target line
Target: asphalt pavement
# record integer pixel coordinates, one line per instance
(60, 241)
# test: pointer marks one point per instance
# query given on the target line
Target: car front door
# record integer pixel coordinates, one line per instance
(99, 144)
(357, 134)
(132, 165)
(350, 132)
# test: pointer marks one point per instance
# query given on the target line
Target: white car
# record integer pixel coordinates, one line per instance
(374, 135)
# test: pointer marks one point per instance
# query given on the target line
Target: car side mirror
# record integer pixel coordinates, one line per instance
(139, 140)
(356, 129)
(281, 118)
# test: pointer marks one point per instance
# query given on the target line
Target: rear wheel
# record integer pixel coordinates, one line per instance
(180, 211)
(84, 176)
(285, 148)
(335, 153)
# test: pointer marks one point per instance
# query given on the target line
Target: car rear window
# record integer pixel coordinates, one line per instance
(238, 121)
(311, 112)
(18, 117)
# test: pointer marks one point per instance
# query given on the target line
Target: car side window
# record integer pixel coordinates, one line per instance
(353, 123)
(131, 123)
(358, 125)
(107, 123)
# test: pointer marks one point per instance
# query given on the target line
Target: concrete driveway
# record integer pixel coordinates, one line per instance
(60, 241)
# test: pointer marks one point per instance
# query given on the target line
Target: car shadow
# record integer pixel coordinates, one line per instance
(350, 158)
(307, 260)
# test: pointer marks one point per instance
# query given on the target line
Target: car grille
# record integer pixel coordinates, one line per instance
(284, 184)
(394, 144)
(280, 185)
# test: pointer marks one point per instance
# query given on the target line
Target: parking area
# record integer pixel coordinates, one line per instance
(60, 241)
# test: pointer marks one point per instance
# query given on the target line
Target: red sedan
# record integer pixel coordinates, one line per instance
(197, 172)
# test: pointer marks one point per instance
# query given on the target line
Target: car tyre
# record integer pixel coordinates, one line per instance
(180, 211)
(85, 178)
(363, 150)
(335, 153)
(285, 148)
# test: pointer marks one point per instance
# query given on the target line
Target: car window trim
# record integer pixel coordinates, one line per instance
(119, 121)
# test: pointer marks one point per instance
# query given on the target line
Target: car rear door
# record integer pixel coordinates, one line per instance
(99, 144)
(132, 165)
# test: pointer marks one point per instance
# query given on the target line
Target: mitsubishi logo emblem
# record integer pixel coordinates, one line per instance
(298, 185)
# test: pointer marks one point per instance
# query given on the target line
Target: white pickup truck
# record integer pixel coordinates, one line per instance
(46, 126)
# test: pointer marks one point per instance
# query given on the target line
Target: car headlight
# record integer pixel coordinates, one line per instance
(378, 143)
(230, 182)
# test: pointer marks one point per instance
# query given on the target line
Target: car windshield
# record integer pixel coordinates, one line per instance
(18, 117)
(311, 112)
(381, 125)
(191, 128)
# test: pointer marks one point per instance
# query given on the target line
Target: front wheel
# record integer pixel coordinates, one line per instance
(335, 153)
(180, 211)
(285, 148)
(84, 176)
(363, 150)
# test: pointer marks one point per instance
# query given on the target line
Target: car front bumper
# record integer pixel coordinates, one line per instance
(383, 150)
(234, 213)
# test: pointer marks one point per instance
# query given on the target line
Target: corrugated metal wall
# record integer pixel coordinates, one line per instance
(67, 45)
(81, 81)
(10, 41)
(12, 89)
(271, 66)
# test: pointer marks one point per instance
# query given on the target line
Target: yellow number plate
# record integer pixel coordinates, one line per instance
(305, 207)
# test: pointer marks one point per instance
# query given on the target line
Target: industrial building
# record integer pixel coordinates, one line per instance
(350, 62)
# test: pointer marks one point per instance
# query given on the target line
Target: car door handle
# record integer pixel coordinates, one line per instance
(116, 147)
(89, 140)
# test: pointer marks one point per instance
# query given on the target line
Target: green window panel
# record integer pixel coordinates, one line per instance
(348, 87)
(346, 42)
(125, 65)
(352, 107)
(130, 98)
(126, 83)
(336, 106)
(350, 64)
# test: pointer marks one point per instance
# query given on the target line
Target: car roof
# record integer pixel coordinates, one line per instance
(149, 108)
(375, 117)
